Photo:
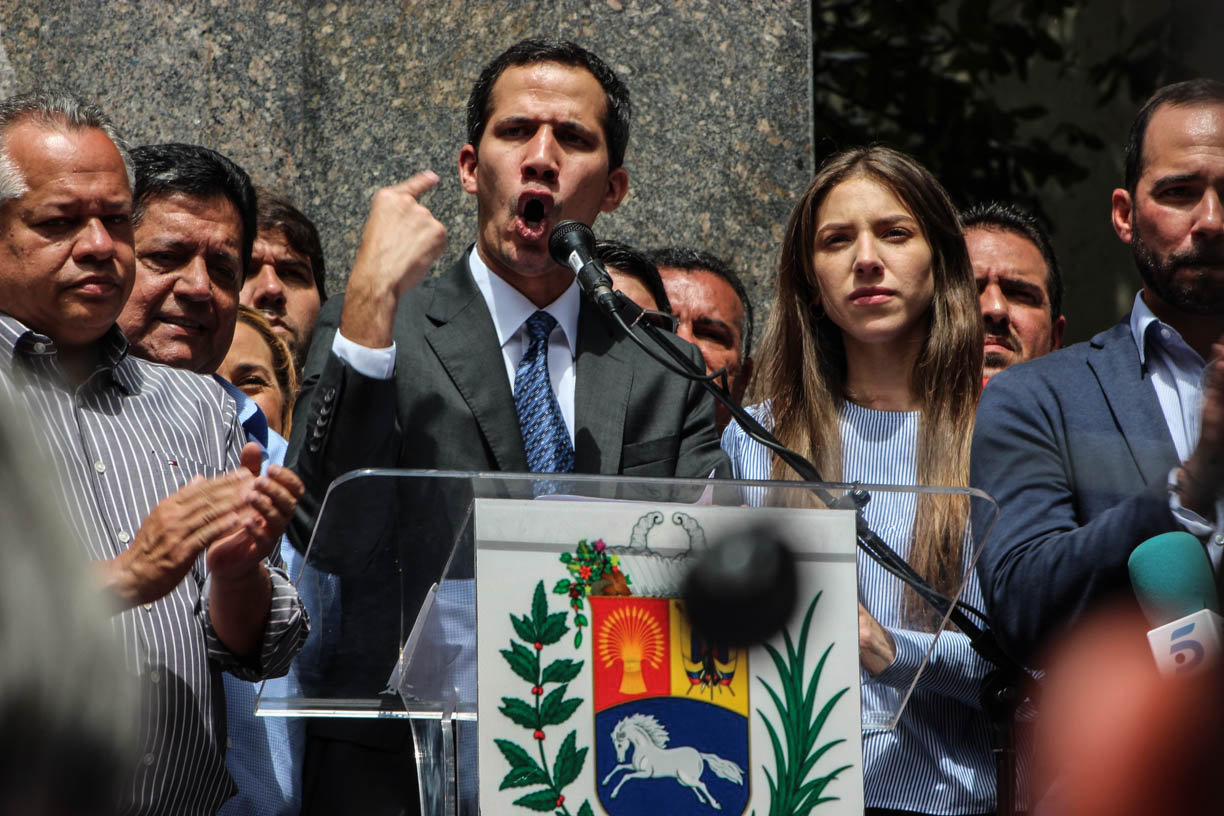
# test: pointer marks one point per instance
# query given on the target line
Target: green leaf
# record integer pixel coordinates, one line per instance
(580, 619)
(522, 777)
(807, 766)
(827, 710)
(562, 587)
(554, 628)
(523, 628)
(540, 800)
(515, 754)
(779, 757)
(523, 661)
(585, 810)
(805, 626)
(577, 638)
(566, 558)
(539, 607)
(815, 787)
(561, 671)
(555, 709)
(520, 712)
(523, 769)
(569, 761)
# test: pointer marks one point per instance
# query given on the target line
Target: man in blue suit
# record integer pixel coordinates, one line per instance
(1093, 449)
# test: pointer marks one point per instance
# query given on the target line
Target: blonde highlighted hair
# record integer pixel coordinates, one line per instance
(803, 370)
(282, 363)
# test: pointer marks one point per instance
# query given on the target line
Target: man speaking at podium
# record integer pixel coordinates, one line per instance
(411, 378)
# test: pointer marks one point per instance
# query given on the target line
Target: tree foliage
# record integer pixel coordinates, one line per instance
(930, 77)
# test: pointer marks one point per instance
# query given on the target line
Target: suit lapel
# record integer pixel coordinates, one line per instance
(601, 396)
(1133, 402)
(466, 344)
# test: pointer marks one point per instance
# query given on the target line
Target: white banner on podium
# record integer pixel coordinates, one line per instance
(596, 697)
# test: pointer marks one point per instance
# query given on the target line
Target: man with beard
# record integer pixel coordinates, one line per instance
(1094, 449)
(1019, 284)
(286, 276)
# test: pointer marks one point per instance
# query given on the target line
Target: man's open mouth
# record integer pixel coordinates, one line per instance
(533, 212)
(534, 208)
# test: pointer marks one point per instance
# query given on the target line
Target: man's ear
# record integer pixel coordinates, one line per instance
(1056, 332)
(1121, 214)
(744, 378)
(618, 186)
(468, 166)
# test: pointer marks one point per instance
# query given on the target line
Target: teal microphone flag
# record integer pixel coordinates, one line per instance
(1172, 577)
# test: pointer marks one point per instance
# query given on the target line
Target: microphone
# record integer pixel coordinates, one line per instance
(742, 590)
(572, 244)
(1172, 579)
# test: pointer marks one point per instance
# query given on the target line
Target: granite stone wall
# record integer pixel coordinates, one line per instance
(329, 101)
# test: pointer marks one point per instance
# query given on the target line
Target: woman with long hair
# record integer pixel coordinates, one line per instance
(260, 364)
(871, 368)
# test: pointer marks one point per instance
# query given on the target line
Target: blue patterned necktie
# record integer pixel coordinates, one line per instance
(545, 437)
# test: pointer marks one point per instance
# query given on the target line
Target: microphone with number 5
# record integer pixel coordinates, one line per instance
(1172, 579)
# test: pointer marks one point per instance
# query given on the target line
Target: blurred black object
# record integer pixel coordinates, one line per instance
(742, 590)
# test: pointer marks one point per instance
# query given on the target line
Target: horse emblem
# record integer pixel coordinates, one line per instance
(671, 713)
(652, 758)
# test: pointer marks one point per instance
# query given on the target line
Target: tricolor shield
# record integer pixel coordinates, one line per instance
(671, 712)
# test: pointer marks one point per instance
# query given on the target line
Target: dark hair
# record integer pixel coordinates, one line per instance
(635, 264)
(1009, 218)
(695, 259)
(275, 212)
(525, 52)
(1190, 92)
(165, 169)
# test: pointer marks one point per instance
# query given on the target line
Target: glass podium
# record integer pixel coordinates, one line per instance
(425, 592)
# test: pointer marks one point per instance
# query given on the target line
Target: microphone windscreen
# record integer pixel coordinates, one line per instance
(568, 236)
(1172, 577)
(743, 590)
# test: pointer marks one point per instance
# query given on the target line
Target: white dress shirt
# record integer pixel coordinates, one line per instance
(1177, 376)
(510, 310)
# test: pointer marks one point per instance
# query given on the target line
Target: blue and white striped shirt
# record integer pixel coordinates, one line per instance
(133, 433)
(938, 759)
(265, 753)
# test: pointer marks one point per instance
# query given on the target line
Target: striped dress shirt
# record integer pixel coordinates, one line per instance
(133, 433)
(938, 759)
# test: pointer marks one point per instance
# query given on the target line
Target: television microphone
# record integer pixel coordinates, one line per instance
(572, 244)
(1172, 579)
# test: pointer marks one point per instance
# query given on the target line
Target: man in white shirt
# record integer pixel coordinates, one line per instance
(404, 372)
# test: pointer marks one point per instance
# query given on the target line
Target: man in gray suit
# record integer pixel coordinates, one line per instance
(1094, 449)
(414, 373)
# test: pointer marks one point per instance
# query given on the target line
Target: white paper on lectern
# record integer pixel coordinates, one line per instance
(519, 544)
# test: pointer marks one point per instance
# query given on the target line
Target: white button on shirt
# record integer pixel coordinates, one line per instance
(510, 310)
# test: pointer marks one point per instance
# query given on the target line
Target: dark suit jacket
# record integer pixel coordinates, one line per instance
(450, 406)
(1075, 449)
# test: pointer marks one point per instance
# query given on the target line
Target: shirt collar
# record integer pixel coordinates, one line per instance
(510, 308)
(1147, 328)
(17, 339)
(250, 416)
